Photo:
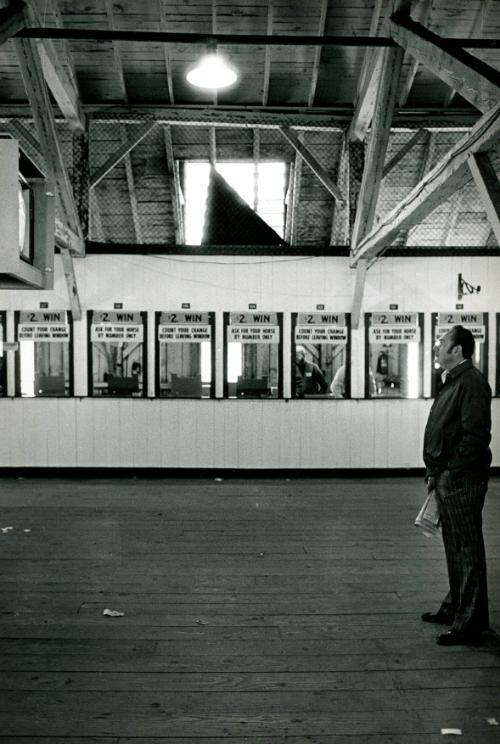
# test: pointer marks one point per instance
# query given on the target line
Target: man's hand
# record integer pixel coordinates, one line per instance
(431, 483)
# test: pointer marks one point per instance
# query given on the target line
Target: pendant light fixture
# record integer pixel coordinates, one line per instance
(212, 72)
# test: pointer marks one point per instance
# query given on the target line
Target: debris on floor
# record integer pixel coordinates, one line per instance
(6, 529)
(492, 721)
(113, 613)
(452, 732)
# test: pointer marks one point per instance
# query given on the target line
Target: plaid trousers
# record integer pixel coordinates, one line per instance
(460, 501)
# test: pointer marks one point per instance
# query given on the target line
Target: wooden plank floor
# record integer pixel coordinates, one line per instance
(257, 611)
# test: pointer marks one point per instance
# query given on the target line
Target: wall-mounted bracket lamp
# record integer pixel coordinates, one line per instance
(466, 288)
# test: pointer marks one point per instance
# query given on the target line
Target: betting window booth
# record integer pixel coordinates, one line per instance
(44, 356)
(3, 359)
(117, 353)
(394, 355)
(477, 323)
(252, 352)
(185, 355)
(321, 355)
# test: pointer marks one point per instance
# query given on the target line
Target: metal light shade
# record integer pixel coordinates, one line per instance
(212, 72)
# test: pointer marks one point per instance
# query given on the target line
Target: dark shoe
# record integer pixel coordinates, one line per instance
(456, 638)
(437, 617)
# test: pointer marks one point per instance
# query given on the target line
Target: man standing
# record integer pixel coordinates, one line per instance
(309, 379)
(457, 458)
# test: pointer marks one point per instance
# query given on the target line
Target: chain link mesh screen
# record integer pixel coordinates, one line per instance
(137, 193)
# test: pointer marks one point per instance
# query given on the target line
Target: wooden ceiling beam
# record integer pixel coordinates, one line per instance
(444, 179)
(488, 185)
(12, 20)
(317, 54)
(116, 51)
(367, 84)
(30, 65)
(477, 28)
(423, 11)
(166, 55)
(313, 164)
(59, 74)
(365, 106)
(476, 81)
(392, 60)
(267, 59)
(293, 201)
(71, 285)
(174, 37)
(370, 76)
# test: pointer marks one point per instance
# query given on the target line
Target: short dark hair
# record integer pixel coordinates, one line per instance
(461, 336)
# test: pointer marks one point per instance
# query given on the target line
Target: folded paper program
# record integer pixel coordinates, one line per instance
(428, 517)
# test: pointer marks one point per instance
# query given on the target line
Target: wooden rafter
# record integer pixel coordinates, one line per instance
(313, 164)
(488, 185)
(58, 73)
(267, 59)
(175, 187)
(69, 275)
(359, 290)
(476, 81)
(365, 106)
(293, 199)
(367, 83)
(29, 62)
(131, 189)
(166, 55)
(392, 60)
(12, 20)
(122, 151)
(116, 51)
(476, 29)
(317, 54)
(379, 137)
(424, 11)
(450, 174)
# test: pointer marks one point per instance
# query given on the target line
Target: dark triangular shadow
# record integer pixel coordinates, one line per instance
(230, 221)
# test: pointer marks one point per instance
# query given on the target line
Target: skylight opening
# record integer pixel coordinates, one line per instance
(262, 187)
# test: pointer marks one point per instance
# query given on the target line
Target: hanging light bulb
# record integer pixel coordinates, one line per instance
(212, 71)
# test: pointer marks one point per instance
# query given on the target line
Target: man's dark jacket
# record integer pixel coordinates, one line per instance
(458, 430)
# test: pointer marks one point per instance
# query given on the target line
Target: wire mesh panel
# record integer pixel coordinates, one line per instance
(459, 221)
(150, 182)
(141, 194)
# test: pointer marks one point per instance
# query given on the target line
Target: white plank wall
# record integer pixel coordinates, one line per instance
(129, 433)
